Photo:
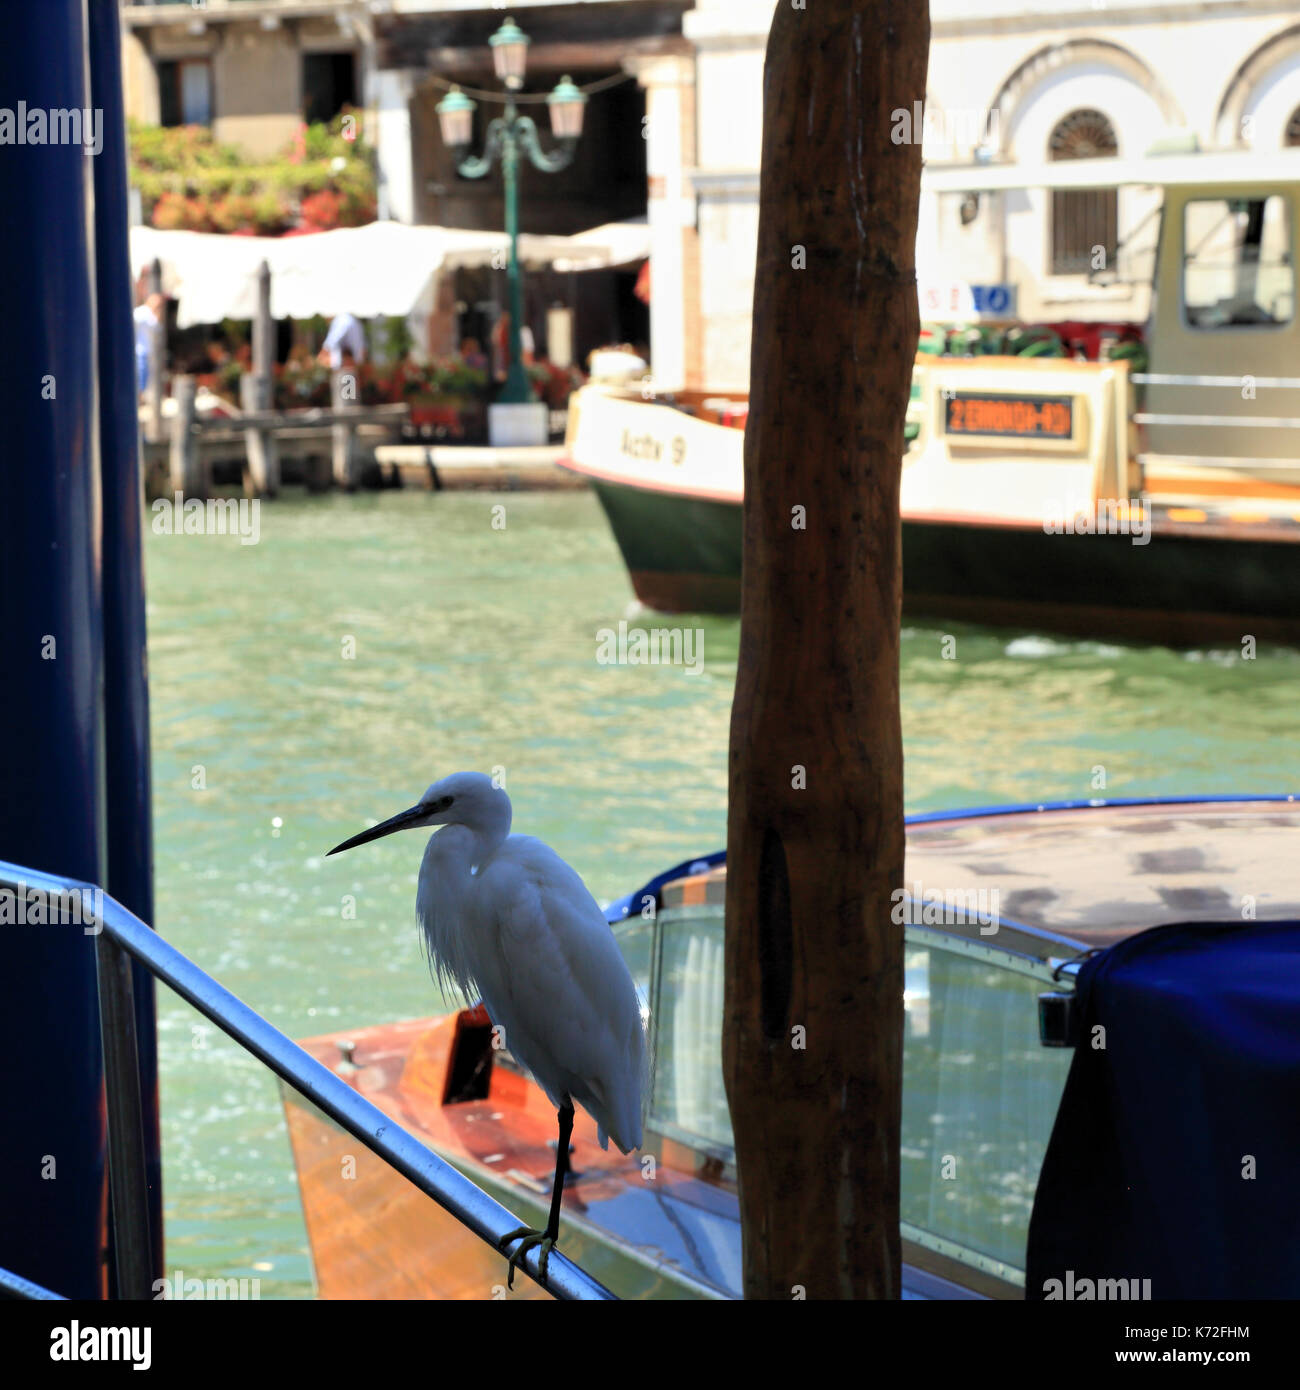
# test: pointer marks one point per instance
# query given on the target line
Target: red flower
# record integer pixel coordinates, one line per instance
(320, 211)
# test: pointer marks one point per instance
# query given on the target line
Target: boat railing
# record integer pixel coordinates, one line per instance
(1238, 383)
(120, 935)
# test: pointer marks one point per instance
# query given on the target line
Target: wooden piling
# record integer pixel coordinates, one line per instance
(263, 326)
(261, 448)
(812, 1040)
(185, 466)
(344, 390)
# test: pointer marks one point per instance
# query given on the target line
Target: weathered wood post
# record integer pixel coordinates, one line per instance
(157, 357)
(812, 1039)
(263, 325)
(343, 397)
(185, 444)
(261, 447)
(257, 396)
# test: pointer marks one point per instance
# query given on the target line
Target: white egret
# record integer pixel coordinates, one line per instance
(507, 920)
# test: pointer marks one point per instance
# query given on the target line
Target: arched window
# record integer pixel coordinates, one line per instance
(1084, 218)
(1292, 136)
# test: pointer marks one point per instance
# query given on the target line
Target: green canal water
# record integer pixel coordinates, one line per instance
(367, 645)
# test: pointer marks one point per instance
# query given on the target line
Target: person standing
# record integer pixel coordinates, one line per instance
(148, 324)
(501, 346)
(346, 338)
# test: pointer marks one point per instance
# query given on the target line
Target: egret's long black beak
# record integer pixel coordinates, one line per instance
(403, 820)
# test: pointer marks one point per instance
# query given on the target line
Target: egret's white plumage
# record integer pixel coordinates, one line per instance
(505, 919)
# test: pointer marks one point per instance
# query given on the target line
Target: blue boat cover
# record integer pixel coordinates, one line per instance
(1175, 1157)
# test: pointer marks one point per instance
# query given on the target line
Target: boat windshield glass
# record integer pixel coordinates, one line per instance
(1238, 268)
(635, 938)
(689, 1098)
(980, 1092)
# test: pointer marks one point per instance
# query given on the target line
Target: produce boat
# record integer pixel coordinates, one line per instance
(1155, 498)
(991, 961)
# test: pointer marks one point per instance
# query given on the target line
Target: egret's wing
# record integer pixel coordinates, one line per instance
(444, 908)
(545, 957)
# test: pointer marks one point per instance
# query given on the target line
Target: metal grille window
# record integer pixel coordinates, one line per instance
(1086, 218)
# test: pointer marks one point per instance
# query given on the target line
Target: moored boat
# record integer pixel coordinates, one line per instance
(1038, 490)
(990, 961)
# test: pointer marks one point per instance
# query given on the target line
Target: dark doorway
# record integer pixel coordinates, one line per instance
(329, 83)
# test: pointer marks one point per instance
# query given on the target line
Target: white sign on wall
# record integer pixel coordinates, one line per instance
(956, 300)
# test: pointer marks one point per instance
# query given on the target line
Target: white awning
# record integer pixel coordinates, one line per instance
(384, 268)
(613, 244)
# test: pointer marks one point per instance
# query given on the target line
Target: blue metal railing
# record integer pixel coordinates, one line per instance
(436, 1178)
(15, 1286)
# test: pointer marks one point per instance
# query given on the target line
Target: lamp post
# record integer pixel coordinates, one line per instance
(508, 137)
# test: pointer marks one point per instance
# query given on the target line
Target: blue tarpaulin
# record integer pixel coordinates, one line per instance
(1175, 1157)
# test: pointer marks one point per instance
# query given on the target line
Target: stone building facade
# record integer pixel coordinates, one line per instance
(249, 69)
(1008, 82)
(1029, 84)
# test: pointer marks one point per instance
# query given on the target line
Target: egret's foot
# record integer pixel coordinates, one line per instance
(527, 1236)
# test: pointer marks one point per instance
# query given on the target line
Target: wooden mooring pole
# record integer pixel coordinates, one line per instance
(261, 448)
(263, 326)
(812, 1040)
(186, 460)
(257, 396)
(343, 396)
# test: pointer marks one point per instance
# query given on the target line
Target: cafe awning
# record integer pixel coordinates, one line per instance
(384, 268)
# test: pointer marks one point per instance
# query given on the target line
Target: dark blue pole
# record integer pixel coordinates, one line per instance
(52, 811)
(126, 684)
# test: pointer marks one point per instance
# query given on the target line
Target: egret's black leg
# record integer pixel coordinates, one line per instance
(527, 1236)
(561, 1168)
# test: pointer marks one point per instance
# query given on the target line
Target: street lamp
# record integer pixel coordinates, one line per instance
(509, 47)
(507, 136)
(456, 116)
(567, 105)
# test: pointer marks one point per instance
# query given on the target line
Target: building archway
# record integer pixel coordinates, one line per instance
(1258, 109)
(1087, 95)
(1056, 64)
